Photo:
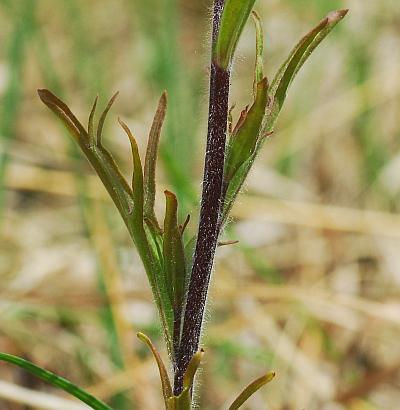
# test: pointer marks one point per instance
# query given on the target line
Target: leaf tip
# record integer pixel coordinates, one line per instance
(45, 95)
(336, 15)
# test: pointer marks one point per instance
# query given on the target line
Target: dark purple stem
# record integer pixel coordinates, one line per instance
(210, 211)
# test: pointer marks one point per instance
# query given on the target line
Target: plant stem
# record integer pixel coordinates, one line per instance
(210, 210)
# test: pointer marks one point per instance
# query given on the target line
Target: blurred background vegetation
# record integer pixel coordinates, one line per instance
(312, 289)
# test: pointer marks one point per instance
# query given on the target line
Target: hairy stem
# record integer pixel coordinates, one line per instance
(211, 207)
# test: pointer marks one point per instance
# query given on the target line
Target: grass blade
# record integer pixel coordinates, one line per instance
(56, 381)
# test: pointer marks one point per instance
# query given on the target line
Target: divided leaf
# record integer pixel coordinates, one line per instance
(237, 170)
(130, 202)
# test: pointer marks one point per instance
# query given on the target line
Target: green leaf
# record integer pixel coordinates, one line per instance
(250, 390)
(56, 381)
(276, 97)
(234, 17)
(151, 161)
(165, 383)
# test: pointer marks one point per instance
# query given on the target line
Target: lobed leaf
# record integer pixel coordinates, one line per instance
(234, 17)
(276, 97)
(129, 203)
(56, 381)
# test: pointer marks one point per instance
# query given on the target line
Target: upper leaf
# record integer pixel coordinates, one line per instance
(234, 17)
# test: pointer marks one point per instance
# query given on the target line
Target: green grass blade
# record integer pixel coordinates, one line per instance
(56, 381)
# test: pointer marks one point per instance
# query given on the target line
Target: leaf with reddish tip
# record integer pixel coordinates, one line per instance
(64, 113)
(165, 383)
(233, 20)
(251, 389)
(151, 161)
(104, 116)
